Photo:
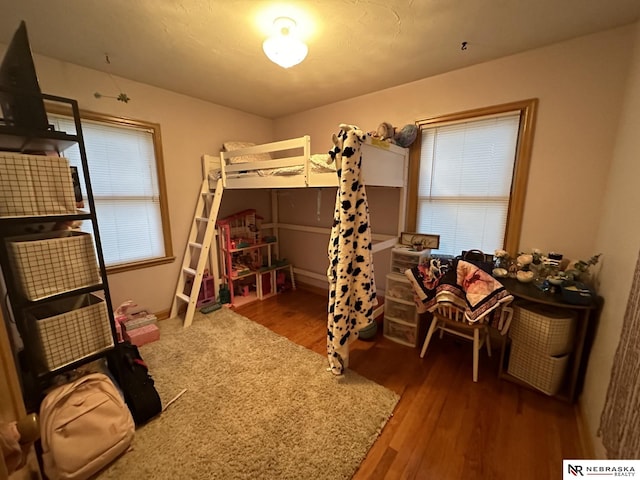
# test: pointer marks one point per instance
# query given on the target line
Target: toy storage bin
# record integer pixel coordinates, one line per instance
(400, 310)
(34, 185)
(543, 372)
(398, 286)
(143, 335)
(54, 262)
(549, 331)
(71, 329)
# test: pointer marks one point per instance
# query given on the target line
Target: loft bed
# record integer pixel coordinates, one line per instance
(290, 164)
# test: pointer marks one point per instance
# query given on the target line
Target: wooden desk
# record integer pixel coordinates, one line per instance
(586, 315)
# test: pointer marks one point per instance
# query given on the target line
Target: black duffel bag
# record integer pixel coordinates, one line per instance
(132, 376)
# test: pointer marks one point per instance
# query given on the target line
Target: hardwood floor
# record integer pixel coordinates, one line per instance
(445, 426)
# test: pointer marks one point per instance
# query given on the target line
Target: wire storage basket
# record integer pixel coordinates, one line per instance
(546, 330)
(33, 185)
(71, 329)
(543, 372)
(54, 262)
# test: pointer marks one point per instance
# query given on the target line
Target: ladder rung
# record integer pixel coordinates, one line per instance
(195, 244)
(202, 219)
(183, 297)
(189, 271)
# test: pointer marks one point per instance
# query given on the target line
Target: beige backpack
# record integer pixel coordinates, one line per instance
(85, 425)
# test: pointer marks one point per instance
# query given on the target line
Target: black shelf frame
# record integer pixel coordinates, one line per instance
(21, 140)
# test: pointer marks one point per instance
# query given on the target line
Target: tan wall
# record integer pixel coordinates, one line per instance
(190, 128)
(619, 239)
(579, 84)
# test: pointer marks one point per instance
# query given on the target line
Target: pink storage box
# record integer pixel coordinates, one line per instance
(140, 336)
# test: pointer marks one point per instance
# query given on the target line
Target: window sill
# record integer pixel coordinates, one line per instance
(138, 265)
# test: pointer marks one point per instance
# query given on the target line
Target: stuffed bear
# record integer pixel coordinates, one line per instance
(404, 137)
(385, 131)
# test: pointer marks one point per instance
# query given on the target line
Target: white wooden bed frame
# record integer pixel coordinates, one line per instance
(383, 164)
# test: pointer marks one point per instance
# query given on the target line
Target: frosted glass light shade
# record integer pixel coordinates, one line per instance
(285, 51)
(284, 48)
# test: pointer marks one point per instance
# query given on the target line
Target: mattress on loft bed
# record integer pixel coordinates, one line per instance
(385, 165)
(317, 164)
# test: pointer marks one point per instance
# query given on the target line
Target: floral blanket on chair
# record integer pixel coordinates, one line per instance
(463, 284)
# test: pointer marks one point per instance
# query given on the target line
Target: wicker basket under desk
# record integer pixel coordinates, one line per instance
(547, 330)
(543, 372)
(70, 329)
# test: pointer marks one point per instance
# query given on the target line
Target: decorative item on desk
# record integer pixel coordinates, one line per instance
(553, 273)
(556, 280)
(501, 263)
(576, 293)
(525, 276)
(500, 272)
(554, 259)
(501, 259)
(531, 265)
(579, 269)
(512, 268)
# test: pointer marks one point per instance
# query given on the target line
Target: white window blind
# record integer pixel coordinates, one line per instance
(466, 172)
(124, 180)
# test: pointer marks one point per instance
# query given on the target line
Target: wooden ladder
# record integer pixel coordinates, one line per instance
(196, 255)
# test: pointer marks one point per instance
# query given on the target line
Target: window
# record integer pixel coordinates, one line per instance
(468, 179)
(127, 180)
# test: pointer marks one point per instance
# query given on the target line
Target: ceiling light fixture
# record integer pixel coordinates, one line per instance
(284, 47)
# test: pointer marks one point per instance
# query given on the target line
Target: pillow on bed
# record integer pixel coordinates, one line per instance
(255, 157)
(320, 162)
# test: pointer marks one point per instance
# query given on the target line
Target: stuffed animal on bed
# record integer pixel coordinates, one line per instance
(406, 136)
(385, 131)
(403, 137)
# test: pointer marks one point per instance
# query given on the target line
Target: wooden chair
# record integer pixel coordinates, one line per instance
(449, 318)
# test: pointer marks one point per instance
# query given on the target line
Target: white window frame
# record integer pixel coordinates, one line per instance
(154, 129)
(527, 111)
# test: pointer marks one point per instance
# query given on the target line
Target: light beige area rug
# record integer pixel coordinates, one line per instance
(256, 406)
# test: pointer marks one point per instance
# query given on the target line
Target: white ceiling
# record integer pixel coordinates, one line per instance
(212, 49)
